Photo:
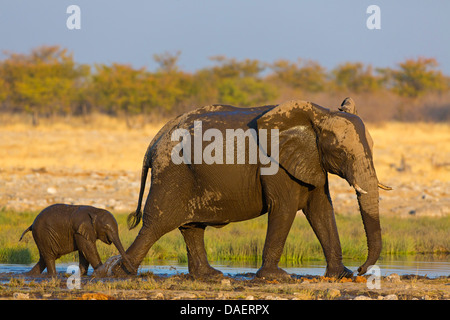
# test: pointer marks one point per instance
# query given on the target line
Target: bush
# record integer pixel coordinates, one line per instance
(48, 82)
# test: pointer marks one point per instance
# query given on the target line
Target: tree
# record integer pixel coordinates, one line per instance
(238, 82)
(42, 82)
(172, 87)
(120, 89)
(245, 92)
(167, 62)
(232, 68)
(415, 77)
(307, 75)
(356, 78)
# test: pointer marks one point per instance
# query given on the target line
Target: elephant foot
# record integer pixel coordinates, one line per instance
(120, 270)
(272, 273)
(339, 272)
(113, 267)
(203, 272)
(363, 269)
(32, 273)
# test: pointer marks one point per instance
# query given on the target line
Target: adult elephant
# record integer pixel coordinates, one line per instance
(191, 194)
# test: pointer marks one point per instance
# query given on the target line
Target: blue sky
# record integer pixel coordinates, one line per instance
(329, 32)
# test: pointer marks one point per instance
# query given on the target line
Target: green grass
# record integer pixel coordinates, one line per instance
(244, 241)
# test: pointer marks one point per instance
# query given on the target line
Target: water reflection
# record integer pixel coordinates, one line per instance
(430, 267)
(416, 265)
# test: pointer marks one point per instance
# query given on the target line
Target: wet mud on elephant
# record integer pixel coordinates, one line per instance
(311, 142)
(60, 229)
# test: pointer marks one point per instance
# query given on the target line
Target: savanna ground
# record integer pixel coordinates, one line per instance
(97, 161)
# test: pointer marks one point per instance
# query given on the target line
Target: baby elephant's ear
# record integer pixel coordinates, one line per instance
(84, 226)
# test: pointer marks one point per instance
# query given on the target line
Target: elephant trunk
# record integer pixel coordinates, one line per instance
(127, 262)
(369, 208)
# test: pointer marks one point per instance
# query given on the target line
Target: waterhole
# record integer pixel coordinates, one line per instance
(429, 266)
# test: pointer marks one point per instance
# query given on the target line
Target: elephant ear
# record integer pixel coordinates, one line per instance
(349, 106)
(84, 225)
(298, 151)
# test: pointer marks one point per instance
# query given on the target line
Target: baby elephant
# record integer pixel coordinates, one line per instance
(60, 229)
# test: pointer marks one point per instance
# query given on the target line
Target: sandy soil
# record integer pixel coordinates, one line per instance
(240, 287)
(101, 167)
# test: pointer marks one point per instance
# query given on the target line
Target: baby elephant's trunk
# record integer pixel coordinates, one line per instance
(125, 259)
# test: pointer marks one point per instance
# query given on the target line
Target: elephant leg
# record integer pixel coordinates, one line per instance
(50, 263)
(38, 268)
(88, 251)
(279, 223)
(153, 228)
(197, 260)
(320, 215)
(84, 263)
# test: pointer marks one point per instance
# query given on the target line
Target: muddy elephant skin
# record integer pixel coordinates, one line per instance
(60, 229)
(313, 141)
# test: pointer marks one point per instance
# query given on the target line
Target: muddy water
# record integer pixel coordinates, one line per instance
(423, 266)
(432, 268)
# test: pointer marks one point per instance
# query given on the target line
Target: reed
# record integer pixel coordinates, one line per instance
(244, 241)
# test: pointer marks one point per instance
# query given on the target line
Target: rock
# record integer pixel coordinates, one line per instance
(249, 298)
(51, 190)
(360, 279)
(98, 204)
(303, 295)
(186, 295)
(221, 296)
(68, 200)
(306, 281)
(226, 282)
(333, 293)
(21, 296)
(391, 297)
(362, 298)
(394, 278)
(158, 296)
(96, 296)
(112, 202)
(273, 298)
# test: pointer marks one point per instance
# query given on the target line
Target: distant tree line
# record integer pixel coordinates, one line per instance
(48, 81)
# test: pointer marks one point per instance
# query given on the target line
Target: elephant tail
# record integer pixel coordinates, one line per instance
(135, 217)
(28, 229)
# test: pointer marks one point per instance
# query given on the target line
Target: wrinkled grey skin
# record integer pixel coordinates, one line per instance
(349, 106)
(60, 229)
(314, 141)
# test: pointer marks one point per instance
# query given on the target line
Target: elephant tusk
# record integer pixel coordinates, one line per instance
(358, 188)
(384, 187)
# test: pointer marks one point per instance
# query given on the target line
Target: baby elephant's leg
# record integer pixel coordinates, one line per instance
(84, 264)
(88, 251)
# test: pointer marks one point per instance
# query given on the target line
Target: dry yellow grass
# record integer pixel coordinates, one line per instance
(424, 147)
(102, 144)
(105, 143)
(414, 158)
